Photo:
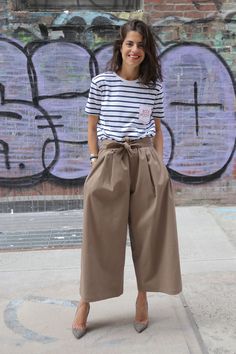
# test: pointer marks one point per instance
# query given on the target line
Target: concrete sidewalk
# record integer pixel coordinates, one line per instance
(39, 291)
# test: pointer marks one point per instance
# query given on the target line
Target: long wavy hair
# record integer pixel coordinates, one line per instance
(150, 68)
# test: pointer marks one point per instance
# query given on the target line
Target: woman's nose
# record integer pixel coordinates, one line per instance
(135, 47)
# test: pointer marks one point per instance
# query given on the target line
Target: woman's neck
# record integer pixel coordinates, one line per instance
(129, 74)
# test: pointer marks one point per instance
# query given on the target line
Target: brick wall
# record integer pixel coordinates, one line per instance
(183, 8)
(45, 79)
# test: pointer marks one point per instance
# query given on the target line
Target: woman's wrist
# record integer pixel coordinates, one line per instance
(93, 158)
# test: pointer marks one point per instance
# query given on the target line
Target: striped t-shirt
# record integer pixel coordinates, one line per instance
(126, 109)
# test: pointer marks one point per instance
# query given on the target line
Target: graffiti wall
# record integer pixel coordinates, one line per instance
(46, 66)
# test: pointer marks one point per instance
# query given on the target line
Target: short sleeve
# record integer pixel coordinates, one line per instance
(158, 109)
(93, 105)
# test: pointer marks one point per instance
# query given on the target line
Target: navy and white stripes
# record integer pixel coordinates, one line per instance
(125, 108)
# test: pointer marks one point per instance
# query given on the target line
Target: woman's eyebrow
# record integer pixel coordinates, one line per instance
(129, 41)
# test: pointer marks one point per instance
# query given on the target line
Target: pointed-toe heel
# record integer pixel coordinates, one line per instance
(80, 332)
(140, 327)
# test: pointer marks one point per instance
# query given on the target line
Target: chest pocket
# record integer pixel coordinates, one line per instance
(145, 112)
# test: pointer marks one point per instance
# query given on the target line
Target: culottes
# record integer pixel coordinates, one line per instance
(129, 185)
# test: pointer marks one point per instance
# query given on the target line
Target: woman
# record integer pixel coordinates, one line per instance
(129, 183)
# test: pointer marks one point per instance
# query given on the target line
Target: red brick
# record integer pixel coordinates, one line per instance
(168, 2)
(193, 14)
(169, 13)
(183, 2)
(182, 7)
(165, 7)
(208, 8)
(148, 7)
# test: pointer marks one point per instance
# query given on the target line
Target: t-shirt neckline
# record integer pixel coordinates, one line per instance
(124, 80)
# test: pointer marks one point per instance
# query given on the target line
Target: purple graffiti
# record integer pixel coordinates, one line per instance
(73, 162)
(23, 136)
(44, 126)
(200, 110)
(14, 76)
(62, 68)
(103, 55)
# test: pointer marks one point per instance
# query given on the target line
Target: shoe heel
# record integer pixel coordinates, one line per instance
(80, 332)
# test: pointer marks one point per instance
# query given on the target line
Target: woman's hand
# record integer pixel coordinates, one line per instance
(93, 162)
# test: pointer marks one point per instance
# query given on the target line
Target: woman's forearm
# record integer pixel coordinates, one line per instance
(93, 142)
(92, 135)
(158, 140)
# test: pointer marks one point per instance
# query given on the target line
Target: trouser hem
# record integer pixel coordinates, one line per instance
(100, 298)
(165, 291)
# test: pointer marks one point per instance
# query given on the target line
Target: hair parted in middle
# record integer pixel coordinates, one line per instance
(150, 68)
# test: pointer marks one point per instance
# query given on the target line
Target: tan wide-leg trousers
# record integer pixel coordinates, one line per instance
(129, 185)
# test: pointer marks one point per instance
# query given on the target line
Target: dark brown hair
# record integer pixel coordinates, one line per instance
(150, 68)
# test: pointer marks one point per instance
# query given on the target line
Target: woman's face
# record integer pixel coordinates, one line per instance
(132, 50)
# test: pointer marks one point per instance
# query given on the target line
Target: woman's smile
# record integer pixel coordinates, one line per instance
(132, 56)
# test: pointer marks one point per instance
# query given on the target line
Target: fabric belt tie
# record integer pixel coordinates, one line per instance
(128, 145)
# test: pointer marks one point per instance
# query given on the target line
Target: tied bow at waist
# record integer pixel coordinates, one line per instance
(128, 145)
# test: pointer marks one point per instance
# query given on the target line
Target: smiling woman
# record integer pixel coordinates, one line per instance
(128, 183)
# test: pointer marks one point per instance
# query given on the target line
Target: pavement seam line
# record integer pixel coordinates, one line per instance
(194, 325)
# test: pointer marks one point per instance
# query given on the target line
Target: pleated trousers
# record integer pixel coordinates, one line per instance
(129, 186)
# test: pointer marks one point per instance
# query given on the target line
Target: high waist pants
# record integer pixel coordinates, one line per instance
(128, 185)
